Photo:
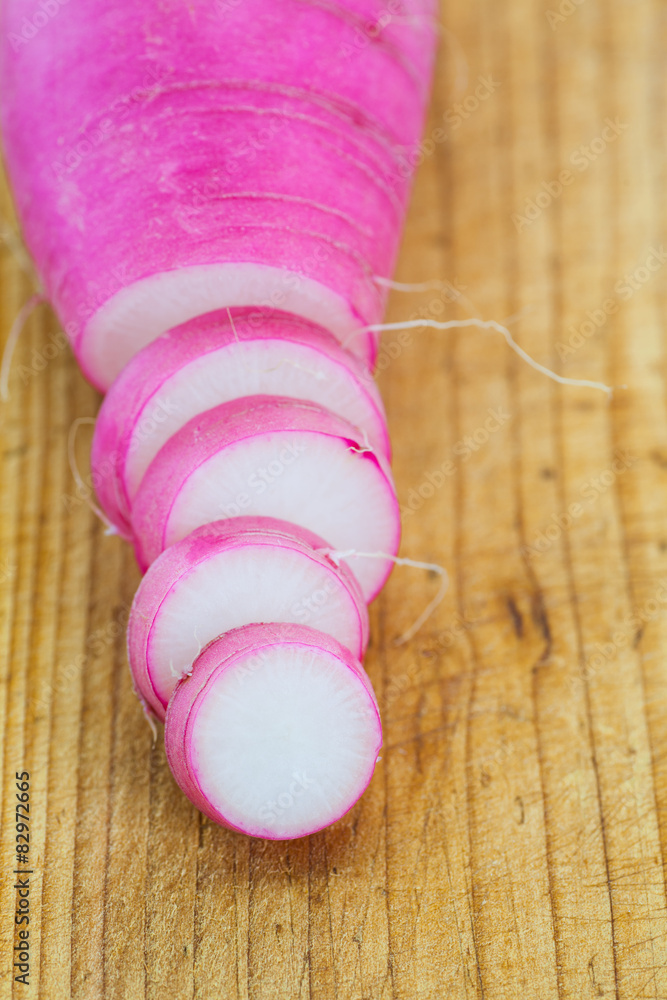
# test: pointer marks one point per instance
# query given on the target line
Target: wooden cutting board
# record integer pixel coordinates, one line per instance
(512, 843)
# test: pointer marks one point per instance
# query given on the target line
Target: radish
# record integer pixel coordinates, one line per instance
(265, 455)
(232, 573)
(213, 199)
(196, 160)
(275, 732)
(210, 360)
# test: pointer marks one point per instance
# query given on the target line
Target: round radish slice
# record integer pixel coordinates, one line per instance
(272, 457)
(228, 574)
(211, 360)
(276, 731)
(144, 309)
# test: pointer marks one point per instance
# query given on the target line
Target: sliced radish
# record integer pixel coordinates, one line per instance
(211, 360)
(143, 310)
(272, 457)
(276, 731)
(233, 573)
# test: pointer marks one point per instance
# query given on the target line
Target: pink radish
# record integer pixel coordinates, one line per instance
(196, 160)
(275, 732)
(232, 573)
(210, 360)
(183, 172)
(264, 455)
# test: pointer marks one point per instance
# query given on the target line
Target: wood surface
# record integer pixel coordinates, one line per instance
(512, 844)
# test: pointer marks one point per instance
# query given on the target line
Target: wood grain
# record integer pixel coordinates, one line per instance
(514, 839)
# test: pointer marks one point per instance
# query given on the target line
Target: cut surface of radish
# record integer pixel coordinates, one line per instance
(276, 731)
(228, 574)
(139, 313)
(272, 457)
(211, 360)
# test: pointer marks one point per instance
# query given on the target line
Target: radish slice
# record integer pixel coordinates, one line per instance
(272, 457)
(228, 574)
(211, 360)
(276, 731)
(142, 311)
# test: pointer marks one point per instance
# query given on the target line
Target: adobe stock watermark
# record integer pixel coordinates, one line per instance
(628, 631)
(311, 264)
(31, 26)
(94, 294)
(151, 420)
(85, 489)
(263, 478)
(495, 760)
(453, 118)
(159, 411)
(580, 159)
(310, 606)
(7, 570)
(372, 29)
(92, 136)
(566, 8)
(590, 491)
(200, 193)
(463, 449)
(275, 808)
(624, 288)
(40, 357)
(444, 640)
(391, 350)
(247, 667)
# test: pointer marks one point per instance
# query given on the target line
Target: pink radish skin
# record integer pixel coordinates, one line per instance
(326, 480)
(211, 360)
(199, 159)
(275, 732)
(228, 574)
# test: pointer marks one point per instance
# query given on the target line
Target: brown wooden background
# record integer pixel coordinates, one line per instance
(514, 839)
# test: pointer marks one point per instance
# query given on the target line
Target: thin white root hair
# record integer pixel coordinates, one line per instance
(366, 446)
(491, 324)
(71, 454)
(425, 286)
(15, 332)
(524, 311)
(410, 286)
(148, 714)
(336, 557)
(150, 719)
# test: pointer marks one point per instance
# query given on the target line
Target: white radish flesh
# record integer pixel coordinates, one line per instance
(276, 731)
(210, 360)
(234, 573)
(272, 457)
(141, 312)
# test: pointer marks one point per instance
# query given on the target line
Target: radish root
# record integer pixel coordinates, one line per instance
(336, 556)
(411, 286)
(71, 454)
(489, 324)
(15, 332)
